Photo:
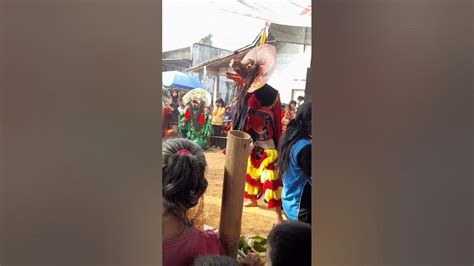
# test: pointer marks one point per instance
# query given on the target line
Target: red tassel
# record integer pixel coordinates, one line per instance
(274, 204)
(252, 182)
(187, 115)
(201, 118)
(248, 196)
(272, 185)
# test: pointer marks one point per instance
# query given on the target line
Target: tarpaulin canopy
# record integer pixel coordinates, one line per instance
(291, 34)
(179, 80)
(286, 12)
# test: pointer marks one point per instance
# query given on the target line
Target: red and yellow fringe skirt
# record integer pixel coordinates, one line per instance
(262, 178)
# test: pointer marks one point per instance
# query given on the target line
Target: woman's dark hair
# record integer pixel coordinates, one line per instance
(300, 98)
(184, 183)
(290, 244)
(174, 100)
(298, 128)
(221, 101)
(215, 261)
(293, 102)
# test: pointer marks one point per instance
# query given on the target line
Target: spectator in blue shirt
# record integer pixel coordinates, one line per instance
(294, 166)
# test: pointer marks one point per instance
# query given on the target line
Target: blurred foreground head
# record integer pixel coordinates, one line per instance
(289, 243)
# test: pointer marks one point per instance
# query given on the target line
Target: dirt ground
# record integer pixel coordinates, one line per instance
(255, 220)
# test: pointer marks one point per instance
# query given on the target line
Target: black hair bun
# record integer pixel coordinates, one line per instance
(183, 174)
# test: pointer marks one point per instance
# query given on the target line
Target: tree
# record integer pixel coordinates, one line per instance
(207, 40)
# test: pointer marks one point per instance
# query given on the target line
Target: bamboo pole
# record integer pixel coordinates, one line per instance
(237, 153)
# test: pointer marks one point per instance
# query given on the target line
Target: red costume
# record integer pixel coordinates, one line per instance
(259, 114)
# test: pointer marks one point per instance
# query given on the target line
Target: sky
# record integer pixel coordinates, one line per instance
(185, 23)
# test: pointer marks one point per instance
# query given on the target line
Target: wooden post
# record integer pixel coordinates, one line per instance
(216, 88)
(307, 89)
(237, 153)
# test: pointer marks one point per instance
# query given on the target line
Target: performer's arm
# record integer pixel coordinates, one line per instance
(277, 120)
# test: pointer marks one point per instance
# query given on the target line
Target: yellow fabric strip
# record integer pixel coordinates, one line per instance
(270, 194)
(268, 175)
(249, 165)
(272, 155)
(254, 174)
(251, 190)
(262, 172)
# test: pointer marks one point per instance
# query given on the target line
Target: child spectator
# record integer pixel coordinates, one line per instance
(174, 106)
(227, 123)
(287, 117)
(283, 106)
(184, 183)
(294, 166)
(293, 105)
(217, 123)
(289, 243)
(227, 120)
(228, 114)
(181, 107)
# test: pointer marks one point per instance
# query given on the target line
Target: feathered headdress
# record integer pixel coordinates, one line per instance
(255, 68)
(197, 95)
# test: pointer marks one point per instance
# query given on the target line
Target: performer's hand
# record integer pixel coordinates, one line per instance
(252, 260)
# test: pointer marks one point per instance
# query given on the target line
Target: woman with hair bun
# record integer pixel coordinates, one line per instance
(184, 183)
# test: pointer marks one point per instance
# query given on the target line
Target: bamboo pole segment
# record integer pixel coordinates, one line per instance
(237, 153)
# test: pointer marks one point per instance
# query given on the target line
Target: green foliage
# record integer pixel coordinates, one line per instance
(207, 40)
(256, 245)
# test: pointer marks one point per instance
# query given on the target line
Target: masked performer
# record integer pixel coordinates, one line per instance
(258, 113)
(195, 123)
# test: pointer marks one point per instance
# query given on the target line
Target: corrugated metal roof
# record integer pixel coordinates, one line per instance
(283, 33)
(220, 61)
(225, 58)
